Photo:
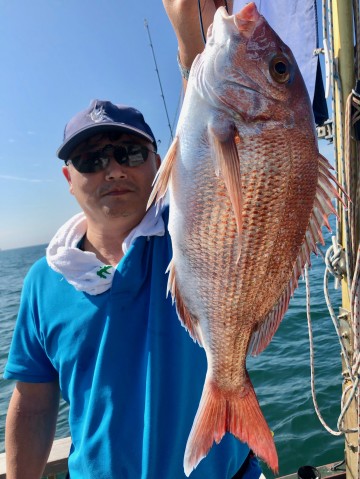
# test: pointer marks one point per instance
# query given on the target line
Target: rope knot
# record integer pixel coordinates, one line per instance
(335, 260)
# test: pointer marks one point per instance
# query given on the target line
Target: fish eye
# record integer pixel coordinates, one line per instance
(280, 69)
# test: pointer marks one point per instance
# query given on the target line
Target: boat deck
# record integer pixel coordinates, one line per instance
(56, 467)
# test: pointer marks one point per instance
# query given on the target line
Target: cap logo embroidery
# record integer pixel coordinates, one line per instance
(98, 114)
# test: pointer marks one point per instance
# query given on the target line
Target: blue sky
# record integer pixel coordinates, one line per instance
(56, 56)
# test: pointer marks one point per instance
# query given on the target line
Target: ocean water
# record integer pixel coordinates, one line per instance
(281, 374)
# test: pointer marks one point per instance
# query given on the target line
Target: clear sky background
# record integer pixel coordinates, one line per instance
(55, 57)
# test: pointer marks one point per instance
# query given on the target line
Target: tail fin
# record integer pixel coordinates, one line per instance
(237, 412)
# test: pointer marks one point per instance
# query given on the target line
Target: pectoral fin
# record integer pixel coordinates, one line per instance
(190, 323)
(228, 164)
(163, 176)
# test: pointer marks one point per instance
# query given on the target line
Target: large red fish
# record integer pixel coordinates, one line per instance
(249, 194)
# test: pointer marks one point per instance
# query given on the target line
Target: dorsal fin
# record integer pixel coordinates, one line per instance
(322, 208)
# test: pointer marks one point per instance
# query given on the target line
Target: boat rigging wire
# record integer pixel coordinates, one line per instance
(158, 75)
(326, 50)
(357, 39)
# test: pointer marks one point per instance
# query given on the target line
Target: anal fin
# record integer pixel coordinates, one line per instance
(262, 336)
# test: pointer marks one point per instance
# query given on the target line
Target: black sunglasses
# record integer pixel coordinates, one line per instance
(128, 154)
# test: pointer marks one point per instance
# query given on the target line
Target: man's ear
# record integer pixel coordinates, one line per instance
(157, 161)
(66, 173)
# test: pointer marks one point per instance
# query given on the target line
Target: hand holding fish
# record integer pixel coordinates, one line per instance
(184, 17)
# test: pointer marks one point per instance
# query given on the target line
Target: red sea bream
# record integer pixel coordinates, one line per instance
(249, 193)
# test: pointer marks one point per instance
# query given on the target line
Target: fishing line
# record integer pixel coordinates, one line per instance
(201, 19)
(201, 23)
(146, 24)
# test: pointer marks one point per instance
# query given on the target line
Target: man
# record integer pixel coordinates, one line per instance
(94, 323)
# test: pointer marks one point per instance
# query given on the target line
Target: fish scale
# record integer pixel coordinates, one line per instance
(249, 193)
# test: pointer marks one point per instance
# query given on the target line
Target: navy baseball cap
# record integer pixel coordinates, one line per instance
(100, 117)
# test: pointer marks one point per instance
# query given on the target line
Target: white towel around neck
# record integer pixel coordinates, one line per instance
(83, 269)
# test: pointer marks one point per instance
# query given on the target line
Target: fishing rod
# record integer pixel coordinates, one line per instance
(201, 19)
(158, 75)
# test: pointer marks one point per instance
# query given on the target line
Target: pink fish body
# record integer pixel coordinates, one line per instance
(249, 193)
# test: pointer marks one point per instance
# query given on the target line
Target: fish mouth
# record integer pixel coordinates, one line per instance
(248, 13)
(247, 19)
(244, 21)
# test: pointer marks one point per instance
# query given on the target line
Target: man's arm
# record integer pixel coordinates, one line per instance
(30, 429)
(184, 16)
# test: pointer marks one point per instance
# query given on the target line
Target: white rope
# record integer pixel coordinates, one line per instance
(345, 407)
(339, 260)
(345, 404)
(334, 318)
(355, 312)
(312, 368)
(334, 261)
(351, 372)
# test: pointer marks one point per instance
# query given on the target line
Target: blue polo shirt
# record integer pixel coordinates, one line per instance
(130, 372)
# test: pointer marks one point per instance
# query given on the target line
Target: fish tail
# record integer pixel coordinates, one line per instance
(235, 412)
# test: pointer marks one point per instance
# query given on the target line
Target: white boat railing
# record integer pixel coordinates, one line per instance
(57, 462)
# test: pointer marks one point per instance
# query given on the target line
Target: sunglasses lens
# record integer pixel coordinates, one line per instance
(90, 162)
(137, 155)
(131, 155)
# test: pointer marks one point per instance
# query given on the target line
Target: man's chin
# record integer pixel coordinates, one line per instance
(123, 212)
